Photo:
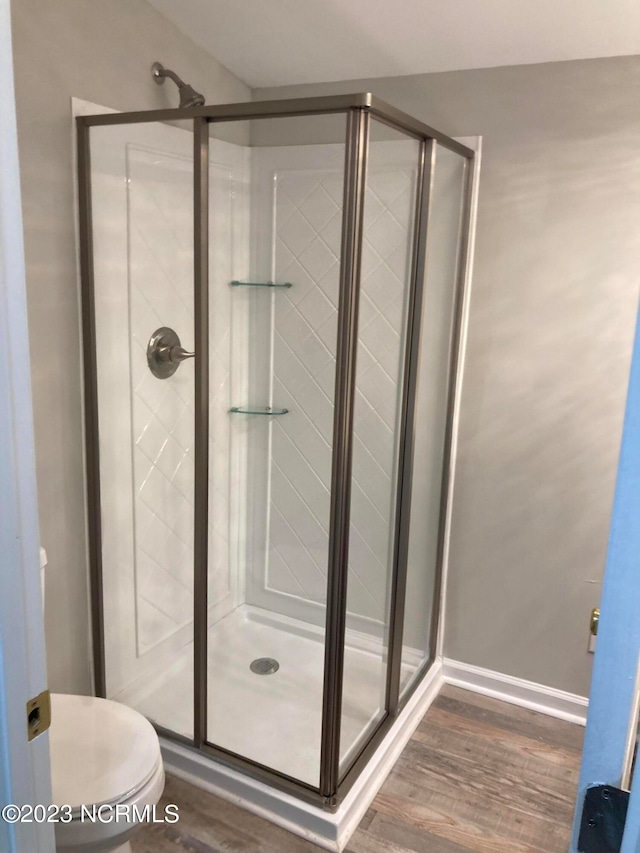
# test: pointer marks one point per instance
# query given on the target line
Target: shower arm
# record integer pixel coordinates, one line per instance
(160, 71)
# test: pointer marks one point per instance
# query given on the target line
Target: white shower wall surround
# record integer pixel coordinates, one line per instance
(161, 288)
(160, 265)
(296, 223)
(275, 215)
(143, 183)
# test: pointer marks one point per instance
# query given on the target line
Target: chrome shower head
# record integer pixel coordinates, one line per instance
(188, 95)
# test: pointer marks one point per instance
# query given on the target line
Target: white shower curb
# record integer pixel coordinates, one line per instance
(331, 831)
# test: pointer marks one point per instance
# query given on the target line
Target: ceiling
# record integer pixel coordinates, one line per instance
(280, 42)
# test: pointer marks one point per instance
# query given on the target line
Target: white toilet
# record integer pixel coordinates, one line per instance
(102, 754)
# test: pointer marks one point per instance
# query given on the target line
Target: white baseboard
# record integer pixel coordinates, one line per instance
(517, 691)
(329, 830)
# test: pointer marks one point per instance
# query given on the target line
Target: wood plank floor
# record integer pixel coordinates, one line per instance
(478, 776)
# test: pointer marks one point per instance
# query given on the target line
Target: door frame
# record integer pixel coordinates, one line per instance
(613, 701)
(24, 765)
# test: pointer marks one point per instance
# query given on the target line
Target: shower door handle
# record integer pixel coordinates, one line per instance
(165, 353)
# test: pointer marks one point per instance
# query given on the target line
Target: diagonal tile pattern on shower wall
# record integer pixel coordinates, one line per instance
(307, 233)
(160, 233)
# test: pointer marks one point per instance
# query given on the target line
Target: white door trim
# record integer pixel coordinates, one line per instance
(24, 766)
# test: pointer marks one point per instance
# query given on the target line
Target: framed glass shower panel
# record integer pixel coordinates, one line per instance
(441, 304)
(386, 277)
(142, 230)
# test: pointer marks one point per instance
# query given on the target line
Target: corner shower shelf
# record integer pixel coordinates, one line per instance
(261, 284)
(241, 410)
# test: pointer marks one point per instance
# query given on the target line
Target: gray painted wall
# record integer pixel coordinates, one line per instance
(101, 52)
(552, 316)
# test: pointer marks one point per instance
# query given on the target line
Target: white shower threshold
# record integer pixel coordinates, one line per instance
(329, 830)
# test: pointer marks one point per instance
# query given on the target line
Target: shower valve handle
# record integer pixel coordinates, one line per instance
(165, 353)
(174, 354)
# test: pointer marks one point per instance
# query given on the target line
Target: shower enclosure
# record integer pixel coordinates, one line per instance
(271, 303)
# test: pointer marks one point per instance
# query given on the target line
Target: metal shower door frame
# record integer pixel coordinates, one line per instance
(201, 424)
(359, 109)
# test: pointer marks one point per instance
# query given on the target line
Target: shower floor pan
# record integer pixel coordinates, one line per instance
(275, 719)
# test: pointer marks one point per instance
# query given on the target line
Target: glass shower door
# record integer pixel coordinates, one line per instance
(273, 291)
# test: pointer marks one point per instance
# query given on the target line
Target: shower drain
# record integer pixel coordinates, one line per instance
(264, 666)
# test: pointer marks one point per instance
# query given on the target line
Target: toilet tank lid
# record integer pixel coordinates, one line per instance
(101, 751)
